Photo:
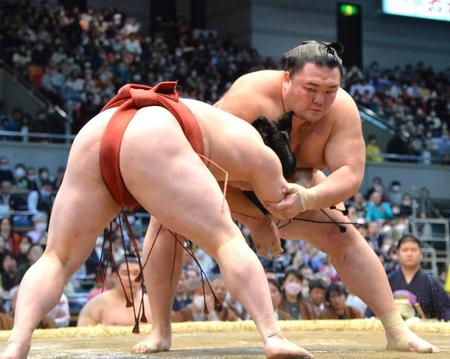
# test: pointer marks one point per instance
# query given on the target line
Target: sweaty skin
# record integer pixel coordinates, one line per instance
(164, 174)
(326, 133)
(109, 307)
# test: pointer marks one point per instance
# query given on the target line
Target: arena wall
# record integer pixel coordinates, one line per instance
(278, 25)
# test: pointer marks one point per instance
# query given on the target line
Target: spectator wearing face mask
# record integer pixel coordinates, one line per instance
(32, 179)
(292, 301)
(44, 176)
(24, 246)
(42, 200)
(39, 227)
(22, 183)
(395, 193)
(35, 252)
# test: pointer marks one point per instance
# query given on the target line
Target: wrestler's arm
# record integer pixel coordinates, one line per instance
(91, 313)
(264, 233)
(344, 157)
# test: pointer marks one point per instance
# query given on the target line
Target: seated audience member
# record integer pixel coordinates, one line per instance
(317, 289)
(9, 201)
(24, 246)
(9, 234)
(373, 151)
(6, 320)
(292, 300)
(9, 278)
(39, 227)
(202, 307)
(182, 295)
(34, 253)
(336, 308)
(229, 309)
(377, 210)
(429, 292)
(61, 313)
(356, 303)
(275, 293)
(109, 307)
(374, 236)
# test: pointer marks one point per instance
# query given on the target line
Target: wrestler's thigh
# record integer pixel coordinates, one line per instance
(83, 208)
(324, 236)
(171, 182)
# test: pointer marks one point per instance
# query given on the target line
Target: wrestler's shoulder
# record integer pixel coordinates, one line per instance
(344, 107)
(258, 75)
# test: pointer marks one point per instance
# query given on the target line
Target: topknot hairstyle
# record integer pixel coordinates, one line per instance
(320, 53)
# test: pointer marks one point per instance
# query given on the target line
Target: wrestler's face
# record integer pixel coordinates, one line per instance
(410, 255)
(311, 91)
(134, 272)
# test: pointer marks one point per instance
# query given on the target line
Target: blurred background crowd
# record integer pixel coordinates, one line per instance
(79, 59)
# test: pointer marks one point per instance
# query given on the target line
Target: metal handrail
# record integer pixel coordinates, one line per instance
(409, 158)
(368, 115)
(19, 77)
(27, 135)
(445, 238)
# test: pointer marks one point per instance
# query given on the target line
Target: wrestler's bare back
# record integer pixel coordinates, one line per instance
(228, 141)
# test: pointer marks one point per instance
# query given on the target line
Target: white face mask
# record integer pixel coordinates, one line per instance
(41, 227)
(198, 301)
(19, 172)
(24, 248)
(293, 288)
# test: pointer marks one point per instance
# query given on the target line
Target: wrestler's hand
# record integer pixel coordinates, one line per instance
(298, 199)
(266, 238)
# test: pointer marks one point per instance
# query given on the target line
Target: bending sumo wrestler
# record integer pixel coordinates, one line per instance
(144, 148)
(306, 103)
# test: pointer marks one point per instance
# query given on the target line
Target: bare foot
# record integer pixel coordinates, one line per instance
(157, 341)
(406, 340)
(278, 347)
(15, 350)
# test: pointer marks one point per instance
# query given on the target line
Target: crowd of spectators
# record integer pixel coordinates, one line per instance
(80, 58)
(303, 283)
(414, 100)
